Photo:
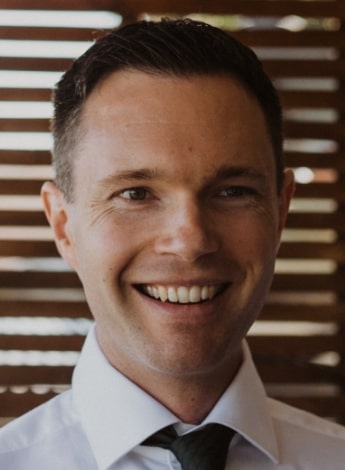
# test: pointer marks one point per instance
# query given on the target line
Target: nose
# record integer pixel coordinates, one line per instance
(186, 231)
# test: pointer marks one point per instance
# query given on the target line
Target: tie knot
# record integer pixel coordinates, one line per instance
(205, 449)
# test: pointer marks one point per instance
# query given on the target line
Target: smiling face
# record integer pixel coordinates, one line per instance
(175, 221)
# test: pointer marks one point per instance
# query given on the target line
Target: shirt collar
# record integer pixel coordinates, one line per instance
(117, 415)
(244, 408)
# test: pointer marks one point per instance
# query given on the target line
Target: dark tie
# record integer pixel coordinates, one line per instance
(206, 449)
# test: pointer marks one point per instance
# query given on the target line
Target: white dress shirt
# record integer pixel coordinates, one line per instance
(101, 421)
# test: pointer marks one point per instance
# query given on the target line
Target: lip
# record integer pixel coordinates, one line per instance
(195, 315)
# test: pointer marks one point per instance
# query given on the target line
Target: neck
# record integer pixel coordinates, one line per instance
(189, 398)
(191, 401)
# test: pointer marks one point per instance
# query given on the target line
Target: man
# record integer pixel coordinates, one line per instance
(169, 202)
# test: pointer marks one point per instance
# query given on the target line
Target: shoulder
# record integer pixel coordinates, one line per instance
(38, 439)
(305, 421)
(315, 442)
(38, 424)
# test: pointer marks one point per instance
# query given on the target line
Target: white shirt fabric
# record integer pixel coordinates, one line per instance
(101, 421)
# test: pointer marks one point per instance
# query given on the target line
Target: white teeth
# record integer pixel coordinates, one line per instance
(155, 292)
(204, 292)
(182, 294)
(195, 294)
(172, 294)
(163, 293)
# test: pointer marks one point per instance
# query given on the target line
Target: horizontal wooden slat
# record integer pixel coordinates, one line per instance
(41, 343)
(315, 130)
(24, 157)
(15, 404)
(329, 407)
(20, 186)
(305, 250)
(279, 346)
(30, 375)
(316, 160)
(309, 282)
(295, 373)
(27, 248)
(20, 218)
(298, 39)
(47, 34)
(301, 312)
(25, 94)
(38, 279)
(320, 190)
(24, 125)
(312, 99)
(246, 7)
(305, 68)
(34, 64)
(316, 220)
(57, 4)
(44, 308)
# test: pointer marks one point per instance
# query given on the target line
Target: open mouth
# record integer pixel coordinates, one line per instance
(182, 294)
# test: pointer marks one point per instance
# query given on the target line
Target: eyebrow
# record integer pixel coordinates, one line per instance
(226, 171)
(142, 174)
(149, 174)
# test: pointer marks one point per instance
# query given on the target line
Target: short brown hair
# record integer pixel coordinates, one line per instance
(179, 48)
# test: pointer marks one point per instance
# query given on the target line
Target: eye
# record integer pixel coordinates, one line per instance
(135, 194)
(236, 191)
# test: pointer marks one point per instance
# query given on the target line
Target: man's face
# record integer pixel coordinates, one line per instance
(175, 222)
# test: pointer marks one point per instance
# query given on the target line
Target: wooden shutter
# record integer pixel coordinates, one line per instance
(43, 316)
(298, 342)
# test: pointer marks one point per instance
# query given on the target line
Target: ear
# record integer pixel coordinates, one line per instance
(57, 211)
(285, 198)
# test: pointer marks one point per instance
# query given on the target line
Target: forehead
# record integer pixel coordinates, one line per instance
(134, 116)
(132, 90)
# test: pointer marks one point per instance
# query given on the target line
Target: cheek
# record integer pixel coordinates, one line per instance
(107, 249)
(253, 237)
